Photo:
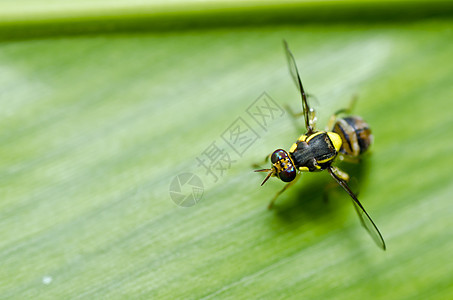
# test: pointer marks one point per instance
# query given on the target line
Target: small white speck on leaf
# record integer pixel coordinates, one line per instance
(46, 280)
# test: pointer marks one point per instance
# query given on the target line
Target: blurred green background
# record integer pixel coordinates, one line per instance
(104, 103)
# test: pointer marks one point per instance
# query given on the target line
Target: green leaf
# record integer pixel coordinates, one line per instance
(99, 117)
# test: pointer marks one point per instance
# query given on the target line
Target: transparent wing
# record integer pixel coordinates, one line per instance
(295, 75)
(364, 217)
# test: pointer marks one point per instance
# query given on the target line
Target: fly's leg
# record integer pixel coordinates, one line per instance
(346, 110)
(311, 115)
(342, 175)
(265, 161)
(287, 186)
(349, 159)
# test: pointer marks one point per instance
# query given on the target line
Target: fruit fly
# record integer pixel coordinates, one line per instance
(315, 151)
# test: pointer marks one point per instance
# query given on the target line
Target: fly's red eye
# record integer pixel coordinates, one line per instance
(283, 165)
(278, 155)
(288, 175)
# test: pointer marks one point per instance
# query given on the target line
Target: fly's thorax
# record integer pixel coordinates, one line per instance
(315, 152)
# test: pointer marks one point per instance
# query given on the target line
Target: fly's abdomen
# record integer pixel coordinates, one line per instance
(355, 134)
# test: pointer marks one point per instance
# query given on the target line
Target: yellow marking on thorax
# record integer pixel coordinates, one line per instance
(313, 135)
(293, 148)
(325, 160)
(303, 169)
(302, 138)
(336, 140)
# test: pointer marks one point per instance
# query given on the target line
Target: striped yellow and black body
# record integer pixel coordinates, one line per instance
(355, 135)
(315, 152)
